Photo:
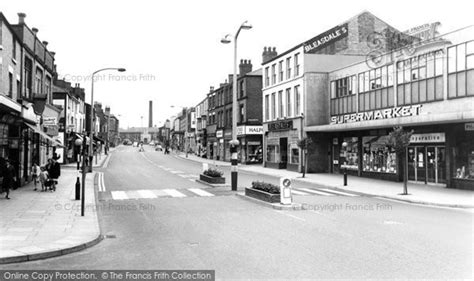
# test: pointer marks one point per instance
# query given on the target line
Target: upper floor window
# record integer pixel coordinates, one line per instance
(297, 100)
(241, 90)
(288, 102)
(343, 87)
(288, 68)
(267, 77)
(273, 106)
(267, 108)
(297, 65)
(280, 71)
(281, 111)
(273, 74)
(39, 81)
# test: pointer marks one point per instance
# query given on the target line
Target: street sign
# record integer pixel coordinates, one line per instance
(285, 191)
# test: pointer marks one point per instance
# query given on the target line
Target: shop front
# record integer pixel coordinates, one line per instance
(219, 145)
(280, 145)
(227, 139)
(251, 146)
(437, 155)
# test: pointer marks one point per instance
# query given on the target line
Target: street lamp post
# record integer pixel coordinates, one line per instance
(92, 128)
(91, 157)
(234, 143)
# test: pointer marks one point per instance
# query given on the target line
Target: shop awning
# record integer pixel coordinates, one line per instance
(82, 138)
(44, 135)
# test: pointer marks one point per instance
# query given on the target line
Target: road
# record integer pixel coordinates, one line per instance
(155, 216)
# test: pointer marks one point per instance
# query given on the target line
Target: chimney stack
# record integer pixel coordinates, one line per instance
(245, 67)
(268, 54)
(150, 115)
(35, 30)
(211, 88)
(21, 18)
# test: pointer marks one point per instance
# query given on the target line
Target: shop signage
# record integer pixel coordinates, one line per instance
(329, 37)
(49, 121)
(402, 111)
(228, 134)
(280, 126)
(428, 138)
(469, 127)
(249, 130)
(219, 134)
(254, 143)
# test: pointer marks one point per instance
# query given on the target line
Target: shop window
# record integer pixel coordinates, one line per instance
(273, 153)
(464, 159)
(294, 154)
(350, 154)
(377, 156)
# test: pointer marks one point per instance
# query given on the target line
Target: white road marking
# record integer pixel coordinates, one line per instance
(391, 222)
(315, 192)
(200, 192)
(298, 192)
(119, 195)
(176, 172)
(339, 192)
(146, 194)
(102, 182)
(188, 176)
(291, 216)
(174, 193)
(106, 163)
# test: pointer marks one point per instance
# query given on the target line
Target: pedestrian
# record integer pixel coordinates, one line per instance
(54, 172)
(35, 170)
(9, 178)
(43, 177)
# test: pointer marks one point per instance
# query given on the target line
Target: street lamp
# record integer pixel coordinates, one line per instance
(234, 143)
(91, 157)
(92, 128)
(344, 146)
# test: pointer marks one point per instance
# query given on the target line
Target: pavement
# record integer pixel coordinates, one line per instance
(37, 225)
(417, 193)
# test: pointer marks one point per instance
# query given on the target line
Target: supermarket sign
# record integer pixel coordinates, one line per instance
(402, 111)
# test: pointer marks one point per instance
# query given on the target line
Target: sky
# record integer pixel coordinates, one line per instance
(172, 50)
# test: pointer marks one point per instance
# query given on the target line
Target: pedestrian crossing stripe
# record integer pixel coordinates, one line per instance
(339, 192)
(316, 192)
(298, 192)
(200, 192)
(174, 193)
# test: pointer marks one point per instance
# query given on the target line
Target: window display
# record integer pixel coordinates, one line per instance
(377, 156)
(272, 153)
(350, 154)
(464, 160)
(294, 154)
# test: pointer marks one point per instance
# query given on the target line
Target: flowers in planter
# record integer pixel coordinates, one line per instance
(267, 187)
(215, 173)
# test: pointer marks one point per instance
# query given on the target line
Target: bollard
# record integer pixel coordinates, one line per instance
(345, 177)
(78, 188)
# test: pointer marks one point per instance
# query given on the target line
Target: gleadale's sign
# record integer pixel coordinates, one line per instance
(402, 111)
(331, 36)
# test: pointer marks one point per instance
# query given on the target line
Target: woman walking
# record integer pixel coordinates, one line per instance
(9, 178)
(54, 172)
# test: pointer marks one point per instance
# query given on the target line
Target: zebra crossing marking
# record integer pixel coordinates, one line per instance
(298, 192)
(174, 193)
(146, 194)
(119, 195)
(339, 192)
(200, 192)
(316, 192)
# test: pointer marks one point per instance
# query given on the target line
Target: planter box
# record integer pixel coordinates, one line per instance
(212, 180)
(262, 195)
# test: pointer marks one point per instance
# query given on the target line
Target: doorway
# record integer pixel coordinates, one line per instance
(427, 164)
(283, 152)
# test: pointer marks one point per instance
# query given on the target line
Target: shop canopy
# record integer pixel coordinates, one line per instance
(44, 135)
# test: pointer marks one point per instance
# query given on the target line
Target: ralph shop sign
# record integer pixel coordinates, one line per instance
(402, 111)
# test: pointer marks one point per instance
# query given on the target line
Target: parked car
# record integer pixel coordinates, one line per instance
(135, 144)
(158, 147)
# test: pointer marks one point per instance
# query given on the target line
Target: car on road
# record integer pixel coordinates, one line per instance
(158, 147)
(135, 144)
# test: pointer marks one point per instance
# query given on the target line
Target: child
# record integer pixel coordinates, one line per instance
(35, 170)
(43, 177)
